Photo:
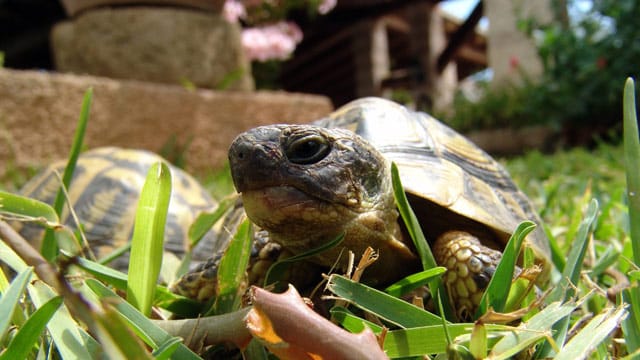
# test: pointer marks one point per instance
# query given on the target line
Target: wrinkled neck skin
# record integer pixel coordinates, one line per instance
(300, 223)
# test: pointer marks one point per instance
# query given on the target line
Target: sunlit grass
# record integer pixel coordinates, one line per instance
(555, 182)
(560, 185)
(580, 193)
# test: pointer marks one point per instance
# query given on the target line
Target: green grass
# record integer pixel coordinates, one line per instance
(555, 182)
(561, 185)
(580, 193)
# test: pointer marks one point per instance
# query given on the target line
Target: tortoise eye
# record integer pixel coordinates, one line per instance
(307, 150)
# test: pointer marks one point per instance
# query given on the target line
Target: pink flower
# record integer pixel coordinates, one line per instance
(514, 62)
(601, 63)
(326, 6)
(233, 10)
(271, 42)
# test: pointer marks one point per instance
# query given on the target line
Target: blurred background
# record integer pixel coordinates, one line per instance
(536, 83)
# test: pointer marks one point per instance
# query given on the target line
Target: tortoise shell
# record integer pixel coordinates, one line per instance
(451, 183)
(104, 193)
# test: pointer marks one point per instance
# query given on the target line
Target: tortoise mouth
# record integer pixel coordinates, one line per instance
(277, 197)
(273, 207)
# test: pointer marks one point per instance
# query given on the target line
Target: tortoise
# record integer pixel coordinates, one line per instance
(303, 185)
(307, 184)
(104, 192)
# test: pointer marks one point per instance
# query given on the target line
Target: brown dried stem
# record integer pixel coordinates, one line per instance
(225, 328)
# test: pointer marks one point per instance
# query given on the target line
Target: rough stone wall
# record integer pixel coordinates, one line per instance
(39, 111)
(158, 44)
(74, 7)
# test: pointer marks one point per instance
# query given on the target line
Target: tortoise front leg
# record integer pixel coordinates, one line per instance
(470, 266)
(201, 282)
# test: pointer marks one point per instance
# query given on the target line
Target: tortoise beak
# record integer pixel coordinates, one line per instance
(254, 158)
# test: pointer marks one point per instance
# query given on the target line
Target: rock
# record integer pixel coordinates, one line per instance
(159, 44)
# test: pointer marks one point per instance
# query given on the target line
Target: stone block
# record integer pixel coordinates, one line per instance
(39, 112)
(159, 44)
(74, 7)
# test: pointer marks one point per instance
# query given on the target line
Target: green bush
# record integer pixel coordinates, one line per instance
(507, 106)
(584, 60)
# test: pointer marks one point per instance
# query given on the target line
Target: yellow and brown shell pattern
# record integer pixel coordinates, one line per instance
(104, 193)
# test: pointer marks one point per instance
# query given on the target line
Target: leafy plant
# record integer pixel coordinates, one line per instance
(507, 106)
(584, 57)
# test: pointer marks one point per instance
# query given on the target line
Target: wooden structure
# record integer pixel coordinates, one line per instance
(371, 47)
(361, 48)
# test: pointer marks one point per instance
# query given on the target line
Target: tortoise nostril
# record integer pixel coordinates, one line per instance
(241, 150)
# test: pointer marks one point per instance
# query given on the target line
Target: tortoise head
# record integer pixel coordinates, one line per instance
(306, 185)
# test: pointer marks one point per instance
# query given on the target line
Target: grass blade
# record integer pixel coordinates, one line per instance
(557, 256)
(276, 271)
(179, 305)
(103, 273)
(566, 288)
(421, 341)
(49, 245)
(24, 207)
(411, 342)
(385, 306)
(596, 331)
(166, 349)
(232, 269)
(117, 338)
(71, 340)
(528, 333)
(18, 317)
(632, 164)
(571, 274)
(430, 339)
(116, 253)
(141, 325)
(417, 236)
(497, 292)
(411, 221)
(11, 259)
(351, 322)
(148, 237)
(11, 298)
(414, 281)
(29, 334)
(479, 339)
(631, 325)
(230, 211)
(205, 221)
